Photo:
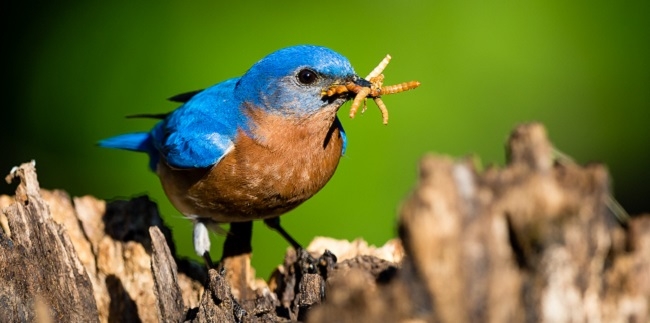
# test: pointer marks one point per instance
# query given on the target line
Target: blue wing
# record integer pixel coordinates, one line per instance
(196, 135)
(200, 132)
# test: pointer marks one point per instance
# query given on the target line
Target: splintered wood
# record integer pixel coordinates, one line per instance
(375, 91)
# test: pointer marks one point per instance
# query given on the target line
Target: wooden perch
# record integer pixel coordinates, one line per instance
(107, 244)
(85, 260)
(41, 277)
(534, 241)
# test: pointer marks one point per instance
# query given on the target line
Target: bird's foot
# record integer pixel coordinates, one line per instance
(310, 265)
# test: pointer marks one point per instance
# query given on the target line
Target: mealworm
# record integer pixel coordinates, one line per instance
(340, 89)
(337, 89)
(397, 88)
(376, 83)
(375, 91)
(380, 68)
(352, 87)
(383, 109)
(361, 95)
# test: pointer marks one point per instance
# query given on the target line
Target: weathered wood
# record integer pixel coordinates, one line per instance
(217, 302)
(112, 249)
(165, 275)
(532, 241)
(122, 255)
(41, 277)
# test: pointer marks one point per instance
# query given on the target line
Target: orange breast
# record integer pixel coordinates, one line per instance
(285, 162)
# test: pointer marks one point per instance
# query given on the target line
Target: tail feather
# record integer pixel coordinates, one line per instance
(138, 141)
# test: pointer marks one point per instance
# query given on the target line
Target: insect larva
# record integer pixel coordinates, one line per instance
(376, 89)
(338, 89)
(397, 88)
(354, 88)
(361, 96)
(383, 109)
(380, 68)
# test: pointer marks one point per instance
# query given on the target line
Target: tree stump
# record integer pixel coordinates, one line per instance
(534, 241)
(41, 276)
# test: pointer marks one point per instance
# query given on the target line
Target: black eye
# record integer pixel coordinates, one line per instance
(307, 76)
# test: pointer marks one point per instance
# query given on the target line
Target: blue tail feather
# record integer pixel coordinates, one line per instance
(137, 141)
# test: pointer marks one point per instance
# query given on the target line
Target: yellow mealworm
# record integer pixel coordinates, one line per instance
(383, 109)
(377, 80)
(352, 87)
(365, 106)
(380, 68)
(338, 89)
(361, 95)
(375, 91)
(397, 88)
(376, 83)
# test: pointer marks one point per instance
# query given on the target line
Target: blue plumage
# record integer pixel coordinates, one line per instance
(252, 147)
(269, 83)
(137, 141)
(195, 135)
(201, 131)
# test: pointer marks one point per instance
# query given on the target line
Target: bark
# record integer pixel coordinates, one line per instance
(534, 241)
(41, 277)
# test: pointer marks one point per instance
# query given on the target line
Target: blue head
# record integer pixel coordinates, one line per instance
(291, 81)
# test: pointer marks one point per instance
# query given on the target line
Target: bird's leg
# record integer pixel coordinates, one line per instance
(238, 240)
(201, 239)
(274, 223)
(306, 263)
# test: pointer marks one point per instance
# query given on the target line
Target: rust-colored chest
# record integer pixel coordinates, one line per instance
(282, 163)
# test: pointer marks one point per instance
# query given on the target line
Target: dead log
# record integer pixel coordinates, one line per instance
(41, 277)
(84, 260)
(108, 244)
(533, 241)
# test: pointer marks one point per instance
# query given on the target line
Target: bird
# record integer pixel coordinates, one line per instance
(251, 147)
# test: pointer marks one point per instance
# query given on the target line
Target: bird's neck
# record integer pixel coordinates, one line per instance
(282, 132)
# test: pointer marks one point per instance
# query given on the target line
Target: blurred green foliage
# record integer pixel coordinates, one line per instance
(74, 69)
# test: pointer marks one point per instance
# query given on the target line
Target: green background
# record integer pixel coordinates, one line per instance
(73, 69)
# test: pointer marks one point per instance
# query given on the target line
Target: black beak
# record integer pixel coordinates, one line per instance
(361, 81)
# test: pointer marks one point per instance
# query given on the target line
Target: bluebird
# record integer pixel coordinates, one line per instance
(252, 147)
